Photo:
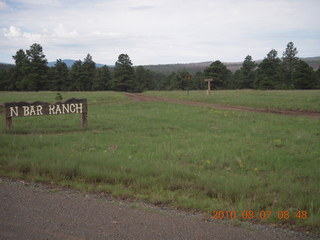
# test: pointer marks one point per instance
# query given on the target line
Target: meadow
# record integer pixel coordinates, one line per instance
(193, 158)
(302, 100)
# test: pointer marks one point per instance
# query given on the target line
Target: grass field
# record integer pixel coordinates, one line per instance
(183, 156)
(303, 100)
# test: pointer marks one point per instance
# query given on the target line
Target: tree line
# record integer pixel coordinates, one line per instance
(31, 73)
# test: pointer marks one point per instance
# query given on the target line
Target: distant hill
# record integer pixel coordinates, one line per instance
(5, 66)
(190, 67)
(193, 68)
(70, 62)
(313, 62)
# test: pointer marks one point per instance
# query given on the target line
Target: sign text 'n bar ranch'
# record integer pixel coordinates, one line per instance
(25, 109)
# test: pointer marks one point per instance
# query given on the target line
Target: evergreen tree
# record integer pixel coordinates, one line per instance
(158, 79)
(182, 80)
(6, 80)
(60, 76)
(317, 73)
(38, 72)
(268, 73)
(220, 74)
(247, 73)
(88, 72)
(289, 62)
(236, 79)
(76, 76)
(304, 76)
(124, 75)
(198, 81)
(167, 83)
(102, 79)
(143, 79)
(20, 72)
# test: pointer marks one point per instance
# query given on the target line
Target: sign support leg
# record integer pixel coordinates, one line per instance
(84, 120)
(8, 123)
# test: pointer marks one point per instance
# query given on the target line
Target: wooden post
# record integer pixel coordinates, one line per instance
(209, 80)
(8, 122)
(84, 119)
(7, 118)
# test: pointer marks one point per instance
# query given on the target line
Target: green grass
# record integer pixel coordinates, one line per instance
(303, 100)
(165, 153)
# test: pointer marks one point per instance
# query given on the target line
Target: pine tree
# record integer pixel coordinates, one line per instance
(182, 80)
(247, 73)
(60, 76)
(20, 72)
(220, 74)
(76, 76)
(317, 73)
(102, 80)
(124, 75)
(143, 79)
(198, 81)
(268, 72)
(289, 62)
(38, 72)
(88, 71)
(304, 76)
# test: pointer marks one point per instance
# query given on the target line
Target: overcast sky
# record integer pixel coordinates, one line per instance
(159, 32)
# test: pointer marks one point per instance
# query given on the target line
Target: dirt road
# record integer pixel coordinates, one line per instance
(41, 212)
(144, 98)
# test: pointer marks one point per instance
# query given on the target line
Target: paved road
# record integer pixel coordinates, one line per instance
(38, 212)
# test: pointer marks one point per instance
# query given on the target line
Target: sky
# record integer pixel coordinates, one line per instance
(159, 32)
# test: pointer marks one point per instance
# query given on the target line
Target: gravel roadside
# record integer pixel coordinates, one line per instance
(38, 211)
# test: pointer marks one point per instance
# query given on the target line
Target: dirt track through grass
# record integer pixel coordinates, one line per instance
(145, 98)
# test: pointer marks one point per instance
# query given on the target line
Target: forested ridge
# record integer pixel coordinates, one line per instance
(32, 73)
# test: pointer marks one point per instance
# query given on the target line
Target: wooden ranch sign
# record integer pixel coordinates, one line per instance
(25, 109)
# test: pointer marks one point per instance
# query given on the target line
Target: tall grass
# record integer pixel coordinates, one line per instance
(184, 156)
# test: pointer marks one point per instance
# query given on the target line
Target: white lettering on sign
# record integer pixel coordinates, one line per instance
(14, 111)
(76, 108)
(79, 108)
(39, 110)
(51, 109)
(65, 108)
(58, 109)
(31, 110)
(26, 110)
(72, 108)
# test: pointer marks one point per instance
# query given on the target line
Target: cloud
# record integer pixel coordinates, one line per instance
(32, 37)
(15, 32)
(141, 8)
(161, 31)
(62, 32)
(3, 5)
(12, 32)
(35, 3)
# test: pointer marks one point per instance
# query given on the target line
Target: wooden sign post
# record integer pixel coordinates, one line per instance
(25, 109)
(209, 80)
(189, 79)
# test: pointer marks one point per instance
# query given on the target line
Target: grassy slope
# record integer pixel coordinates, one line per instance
(185, 156)
(305, 100)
